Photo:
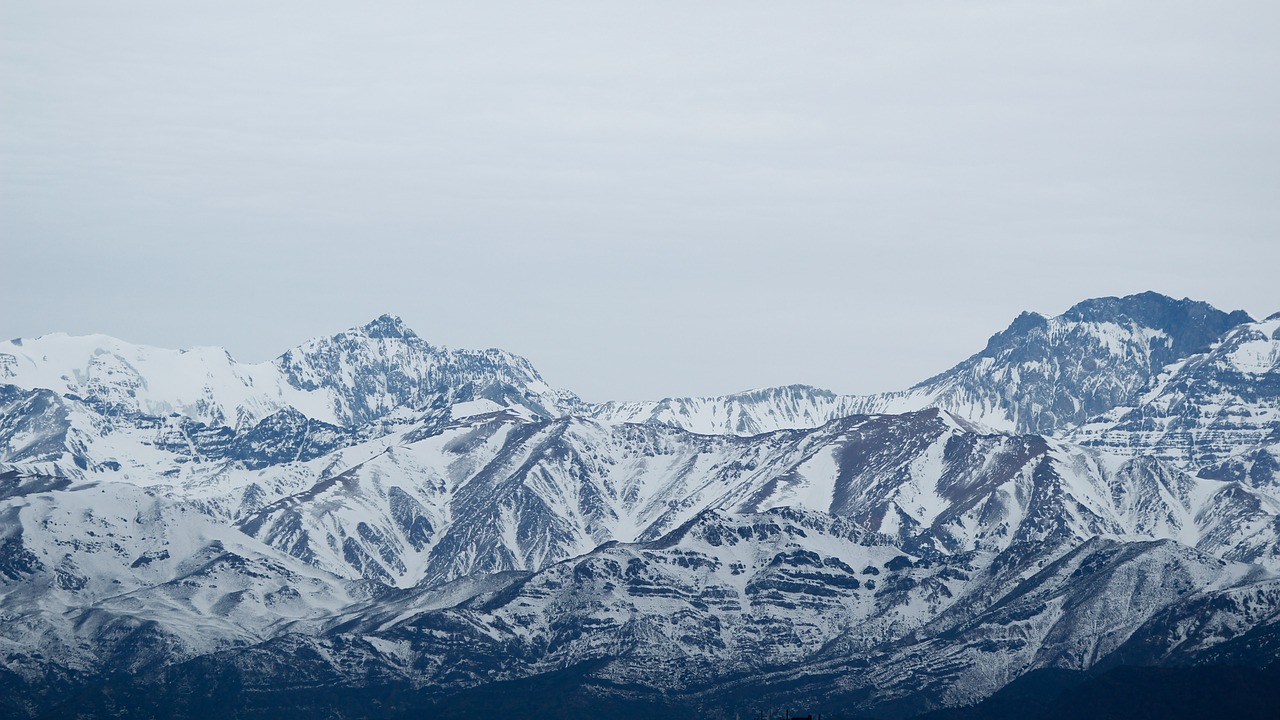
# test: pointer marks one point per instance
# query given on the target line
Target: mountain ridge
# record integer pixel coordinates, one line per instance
(451, 524)
(1006, 385)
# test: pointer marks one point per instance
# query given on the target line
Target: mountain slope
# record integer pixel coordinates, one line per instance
(113, 575)
(497, 493)
(1206, 408)
(738, 613)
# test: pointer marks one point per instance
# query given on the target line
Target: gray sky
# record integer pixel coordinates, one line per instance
(646, 199)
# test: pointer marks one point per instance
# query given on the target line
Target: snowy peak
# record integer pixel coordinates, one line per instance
(1012, 336)
(1171, 328)
(369, 371)
(387, 326)
(1048, 374)
(1192, 326)
(349, 379)
(1041, 374)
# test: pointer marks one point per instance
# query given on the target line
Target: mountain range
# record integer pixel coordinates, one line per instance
(374, 526)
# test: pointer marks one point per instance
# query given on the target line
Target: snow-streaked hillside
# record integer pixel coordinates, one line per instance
(205, 384)
(737, 611)
(496, 494)
(747, 413)
(111, 573)
(1208, 407)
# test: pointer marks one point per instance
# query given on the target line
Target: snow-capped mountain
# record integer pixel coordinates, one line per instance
(383, 366)
(349, 379)
(204, 384)
(95, 404)
(1038, 375)
(1048, 374)
(374, 519)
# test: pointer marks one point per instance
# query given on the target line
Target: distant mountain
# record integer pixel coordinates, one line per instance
(80, 405)
(1041, 375)
(747, 413)
(350, 379)
(1047, 374)
(383, 366)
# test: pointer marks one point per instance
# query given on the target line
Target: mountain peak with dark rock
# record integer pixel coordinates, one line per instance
(1025, 323)
(1043, 374)
(1192, 325)
(387, 326)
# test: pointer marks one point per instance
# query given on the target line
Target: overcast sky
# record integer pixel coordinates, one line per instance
(644, 198)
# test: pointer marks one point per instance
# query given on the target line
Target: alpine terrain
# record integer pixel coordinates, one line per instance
(371, 525)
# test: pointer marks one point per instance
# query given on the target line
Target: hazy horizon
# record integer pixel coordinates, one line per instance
(653, 200)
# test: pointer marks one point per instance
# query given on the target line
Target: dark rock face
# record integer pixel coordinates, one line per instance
(285, 436)
(1259, 468)
(1190, 325)
(35, 428)
(16, 561)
